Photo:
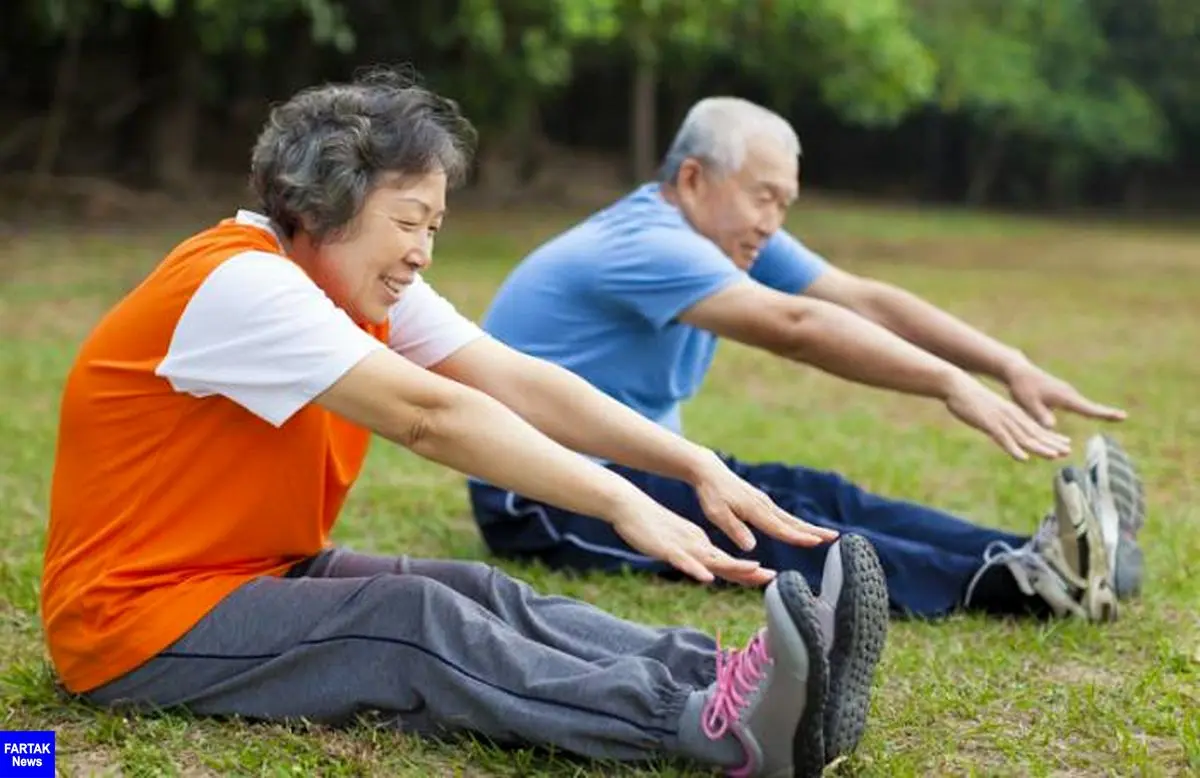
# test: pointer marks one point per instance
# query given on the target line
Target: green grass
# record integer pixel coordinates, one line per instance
(1114, 310)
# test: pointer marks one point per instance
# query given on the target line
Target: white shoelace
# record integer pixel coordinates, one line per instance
(1029, 561)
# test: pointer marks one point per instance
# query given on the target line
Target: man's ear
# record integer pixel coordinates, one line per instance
(690, 176)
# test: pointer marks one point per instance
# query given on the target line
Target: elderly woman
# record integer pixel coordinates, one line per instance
(216, 417)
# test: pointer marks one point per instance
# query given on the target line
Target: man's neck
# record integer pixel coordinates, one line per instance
(667, 192)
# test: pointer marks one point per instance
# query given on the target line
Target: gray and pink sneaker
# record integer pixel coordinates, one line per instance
(769, 697)
(853, 612)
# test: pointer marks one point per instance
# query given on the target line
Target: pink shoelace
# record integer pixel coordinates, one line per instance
(738, 675)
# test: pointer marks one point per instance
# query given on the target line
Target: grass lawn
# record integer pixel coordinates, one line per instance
(1115, 311)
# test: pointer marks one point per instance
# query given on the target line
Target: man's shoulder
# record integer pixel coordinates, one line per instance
(640, 223)
(644, 212)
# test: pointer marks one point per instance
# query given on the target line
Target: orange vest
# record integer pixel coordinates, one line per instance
(162, 503)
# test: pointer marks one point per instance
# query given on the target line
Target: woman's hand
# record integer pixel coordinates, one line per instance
(653, 530)
(735, 505)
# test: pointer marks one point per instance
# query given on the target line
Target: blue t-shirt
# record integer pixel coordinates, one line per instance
(601, 300)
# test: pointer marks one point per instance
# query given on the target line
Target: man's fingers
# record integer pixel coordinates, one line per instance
(1077, 403)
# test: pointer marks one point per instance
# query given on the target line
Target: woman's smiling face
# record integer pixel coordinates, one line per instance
(366, 267)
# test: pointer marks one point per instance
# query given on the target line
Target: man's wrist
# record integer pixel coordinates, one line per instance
(1013, 364)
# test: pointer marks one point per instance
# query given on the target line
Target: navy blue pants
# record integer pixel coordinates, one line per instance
(928, 556)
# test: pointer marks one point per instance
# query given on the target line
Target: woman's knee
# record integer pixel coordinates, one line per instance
(477, 580)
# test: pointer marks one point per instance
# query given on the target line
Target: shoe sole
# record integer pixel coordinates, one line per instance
(1122, 481)
(1099, 601)
(808, 743)
(860, 633)
(1121, 503)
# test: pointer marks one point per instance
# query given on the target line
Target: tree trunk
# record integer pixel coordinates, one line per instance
(509, 154)
(935, 154)
(64, 90)
(643, 113)
(1063, 176)
(177, 115)
(1135, 189)
(986, 168)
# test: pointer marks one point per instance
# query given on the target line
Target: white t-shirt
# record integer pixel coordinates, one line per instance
(260, 332)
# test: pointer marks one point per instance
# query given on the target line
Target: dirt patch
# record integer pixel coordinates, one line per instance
(1069, 673)
(89, 763)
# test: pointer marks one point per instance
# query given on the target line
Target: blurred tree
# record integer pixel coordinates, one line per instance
(1043, 72)
(175, 40)
(861, 54)
(186, 32)
(505, 56)
(1156, 44)
(1020, 99)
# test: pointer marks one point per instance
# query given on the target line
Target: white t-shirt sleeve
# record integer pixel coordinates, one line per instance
(426, 328)
(259, 332)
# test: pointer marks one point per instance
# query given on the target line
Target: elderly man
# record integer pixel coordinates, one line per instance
(634, 300)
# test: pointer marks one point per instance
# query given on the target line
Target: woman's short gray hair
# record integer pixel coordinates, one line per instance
(322, 152)
(717, 131)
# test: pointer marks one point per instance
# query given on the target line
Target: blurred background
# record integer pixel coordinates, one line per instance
(1016, 104)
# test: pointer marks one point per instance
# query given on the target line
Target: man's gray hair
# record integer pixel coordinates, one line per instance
(717, 132)
(323, 151)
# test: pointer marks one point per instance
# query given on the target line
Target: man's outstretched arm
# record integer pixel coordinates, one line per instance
(851, 346)
(951, 338)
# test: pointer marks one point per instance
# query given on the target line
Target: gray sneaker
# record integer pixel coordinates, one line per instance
(770, 695)
(853, 609)
(1066, 561)
(1118, 499)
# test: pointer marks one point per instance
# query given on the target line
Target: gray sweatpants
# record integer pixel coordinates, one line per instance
(439, 647)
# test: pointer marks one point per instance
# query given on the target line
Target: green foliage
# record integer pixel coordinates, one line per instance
(861, 55)
(1043, 70)
(231, 24)
(55, 17)
(509, 52)
(1087, 82)
(529, 39)
(1154, 42)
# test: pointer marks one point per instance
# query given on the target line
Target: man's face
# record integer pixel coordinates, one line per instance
(367, 270)
(739, 212)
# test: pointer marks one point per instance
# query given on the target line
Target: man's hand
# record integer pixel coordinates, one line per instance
(653, 530)
(1039, 393)
(731, 503)
(1002, 421)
